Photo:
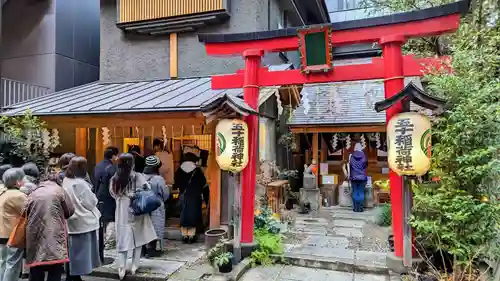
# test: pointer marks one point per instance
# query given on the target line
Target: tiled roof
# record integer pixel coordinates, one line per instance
(347, 103)
(188, 94)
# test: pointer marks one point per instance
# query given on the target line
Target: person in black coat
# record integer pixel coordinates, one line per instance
(193, 189)
(103, 172)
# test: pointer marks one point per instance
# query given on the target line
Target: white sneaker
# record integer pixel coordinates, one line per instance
(121, 273)
(134, 268)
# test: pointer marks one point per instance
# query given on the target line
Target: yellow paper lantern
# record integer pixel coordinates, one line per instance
(409, 144)
(232, 144)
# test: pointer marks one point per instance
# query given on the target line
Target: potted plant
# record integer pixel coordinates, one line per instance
(224, 261)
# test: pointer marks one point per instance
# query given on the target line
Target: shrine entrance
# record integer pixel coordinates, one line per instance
(315, 44)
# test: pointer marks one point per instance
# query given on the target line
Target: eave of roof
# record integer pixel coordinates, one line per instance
(461, 7)
(171, 95)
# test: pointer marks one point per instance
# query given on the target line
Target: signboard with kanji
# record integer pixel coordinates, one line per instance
(409, 142)
(315, 49)
(232, 144)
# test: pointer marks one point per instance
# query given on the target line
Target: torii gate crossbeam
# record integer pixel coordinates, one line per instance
(390, 32)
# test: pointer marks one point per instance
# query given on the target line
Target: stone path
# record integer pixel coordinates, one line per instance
(177, 258)
(336, 238)
(296, 273)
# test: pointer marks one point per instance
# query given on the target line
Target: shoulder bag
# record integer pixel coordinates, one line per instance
(144, 202)
(17, 238)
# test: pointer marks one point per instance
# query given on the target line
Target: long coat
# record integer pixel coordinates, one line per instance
(192, 187)
(47, 209)
(103, 172)
(157, 184)
(131, 231)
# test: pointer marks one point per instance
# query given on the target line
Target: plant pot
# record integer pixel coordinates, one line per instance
(212, 237)
(226, 268)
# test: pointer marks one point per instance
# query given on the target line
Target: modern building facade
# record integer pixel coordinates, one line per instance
(158, 40)
(48, 46)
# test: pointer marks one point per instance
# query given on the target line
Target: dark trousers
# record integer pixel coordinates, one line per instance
(358, 195)
(54, 272)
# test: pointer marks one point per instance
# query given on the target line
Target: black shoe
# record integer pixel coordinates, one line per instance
(185, 240)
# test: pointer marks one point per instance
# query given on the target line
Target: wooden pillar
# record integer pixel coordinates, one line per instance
(173, 56)
(215, 180)
(315, 152)
(81, 142)
(99, 146)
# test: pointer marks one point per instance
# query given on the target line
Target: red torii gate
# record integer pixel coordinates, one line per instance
(390, 32)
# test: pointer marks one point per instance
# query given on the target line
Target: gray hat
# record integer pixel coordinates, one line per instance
(153, 161)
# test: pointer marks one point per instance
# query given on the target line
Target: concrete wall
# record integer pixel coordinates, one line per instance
(126, 57)
(51, 43)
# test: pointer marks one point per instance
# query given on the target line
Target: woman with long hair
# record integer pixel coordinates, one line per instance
(132, 232)
(84, 223)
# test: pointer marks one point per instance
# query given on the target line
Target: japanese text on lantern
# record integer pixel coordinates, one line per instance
(404, 144)
(238, 143)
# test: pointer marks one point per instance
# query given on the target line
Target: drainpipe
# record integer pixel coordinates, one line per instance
(298, 12)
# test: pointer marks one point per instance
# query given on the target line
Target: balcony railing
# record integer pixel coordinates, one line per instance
(15, 91)
(139, 10)
(157, 17)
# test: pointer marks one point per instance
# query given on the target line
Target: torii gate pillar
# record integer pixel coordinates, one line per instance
(394, 83)
(251, 97)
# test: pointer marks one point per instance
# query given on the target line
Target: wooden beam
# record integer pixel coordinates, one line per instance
(173, 55)
(81, 142)
(315, 152)
(157, 119)
(375, 70)
(215, 181)
(339, 129)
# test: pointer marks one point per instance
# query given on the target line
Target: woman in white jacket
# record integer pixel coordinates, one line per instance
(83, 226)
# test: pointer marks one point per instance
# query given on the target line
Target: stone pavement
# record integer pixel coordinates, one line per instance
(177, 256)
(296, 273)
(336, 238)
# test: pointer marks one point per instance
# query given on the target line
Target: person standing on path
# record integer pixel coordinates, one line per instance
(46, 212)
(11, 206)
(157, 183)
(192, 185)
(358, 163)
(103, 172)
(83, 225)
(31, 178)
(132, 232)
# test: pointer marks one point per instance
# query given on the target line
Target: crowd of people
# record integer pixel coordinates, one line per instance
(70, 218)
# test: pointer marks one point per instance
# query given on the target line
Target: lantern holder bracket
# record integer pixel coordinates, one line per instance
(412, 93)
(226, 106)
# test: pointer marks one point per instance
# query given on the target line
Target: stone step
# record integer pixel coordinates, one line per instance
(346, 264)
(349, 223)
(151, 270)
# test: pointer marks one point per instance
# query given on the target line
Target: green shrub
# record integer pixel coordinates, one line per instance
(384, 217)
(268, 244)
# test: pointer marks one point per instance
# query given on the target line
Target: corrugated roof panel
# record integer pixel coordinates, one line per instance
(82, 99)
(192, 84)
(353, 103)
(113, 96)
(202, 98)
(126, 97)
(148, 96)
(179, 99)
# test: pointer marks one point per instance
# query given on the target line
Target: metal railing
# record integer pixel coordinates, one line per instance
(16, 91)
